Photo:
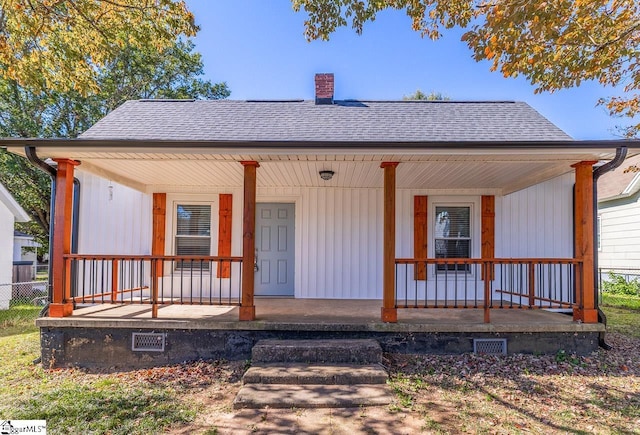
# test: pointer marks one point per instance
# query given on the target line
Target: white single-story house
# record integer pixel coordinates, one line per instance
(10, 212)
(418, 205)
(619, 218)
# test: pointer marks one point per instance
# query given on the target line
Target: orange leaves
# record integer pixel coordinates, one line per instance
(488, 53)
(627, 106)
(427, 16)
(557, 45)
(554, 44)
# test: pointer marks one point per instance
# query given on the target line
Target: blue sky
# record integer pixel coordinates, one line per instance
(258, 48)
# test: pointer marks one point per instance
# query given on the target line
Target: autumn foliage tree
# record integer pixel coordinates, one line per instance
(555, 44)
(64, 64)
(42, 112)
(60, 44)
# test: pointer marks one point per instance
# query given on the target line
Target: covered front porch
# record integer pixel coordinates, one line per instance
(426, 278)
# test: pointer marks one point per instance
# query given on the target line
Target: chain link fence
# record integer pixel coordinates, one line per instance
(24, 293)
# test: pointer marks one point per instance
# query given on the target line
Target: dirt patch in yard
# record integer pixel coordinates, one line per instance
(462, 394)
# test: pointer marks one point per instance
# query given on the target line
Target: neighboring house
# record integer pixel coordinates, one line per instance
(10, 212)
(409, 203)
(25, 254)
(619, 217)
(25, 247)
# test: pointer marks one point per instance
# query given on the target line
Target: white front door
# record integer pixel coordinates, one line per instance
(275, 256)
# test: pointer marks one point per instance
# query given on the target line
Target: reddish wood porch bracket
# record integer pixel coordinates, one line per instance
(224, 233)
(389, 310)
(61, 304)
(585, 310)
(420, 239)
(157, 245)
(247, 308)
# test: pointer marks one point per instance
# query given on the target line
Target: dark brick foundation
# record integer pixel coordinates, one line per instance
(111, 347)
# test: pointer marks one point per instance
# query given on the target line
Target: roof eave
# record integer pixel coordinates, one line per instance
(101, 144)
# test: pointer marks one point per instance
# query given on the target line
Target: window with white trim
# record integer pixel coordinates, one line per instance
(452, 234)
(193, 229)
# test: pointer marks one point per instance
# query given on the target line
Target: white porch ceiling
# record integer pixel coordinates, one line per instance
(499, 172)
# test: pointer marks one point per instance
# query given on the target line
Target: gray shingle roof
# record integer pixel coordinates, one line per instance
(344, 121)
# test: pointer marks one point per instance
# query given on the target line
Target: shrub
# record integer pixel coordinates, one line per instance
(619, 285)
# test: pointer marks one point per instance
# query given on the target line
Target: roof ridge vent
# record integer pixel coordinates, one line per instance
(167, 100)
(275, 101)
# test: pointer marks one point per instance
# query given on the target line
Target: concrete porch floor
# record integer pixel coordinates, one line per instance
(103, 335)
(282, 314)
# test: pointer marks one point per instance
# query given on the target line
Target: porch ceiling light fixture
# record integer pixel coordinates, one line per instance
(326, 175)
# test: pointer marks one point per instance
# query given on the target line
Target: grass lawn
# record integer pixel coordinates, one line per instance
(434, 393)
(623, 313)
(75, 402)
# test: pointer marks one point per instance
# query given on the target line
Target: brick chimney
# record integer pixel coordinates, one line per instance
(324, 88)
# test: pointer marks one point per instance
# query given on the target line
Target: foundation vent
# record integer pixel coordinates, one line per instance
(148, 341)
(492, 346)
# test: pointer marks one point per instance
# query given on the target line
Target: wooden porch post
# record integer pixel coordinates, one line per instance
(158, 244)
(61, 305)
(389, 310)
(247, 308)
(488, 236)
(584, 244)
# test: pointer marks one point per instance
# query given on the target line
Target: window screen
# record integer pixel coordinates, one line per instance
(193, 230)
(452, 234)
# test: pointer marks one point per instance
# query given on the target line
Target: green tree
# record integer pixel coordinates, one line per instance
(421, 96)
(24, 112)
(63, 44)
(553, 44)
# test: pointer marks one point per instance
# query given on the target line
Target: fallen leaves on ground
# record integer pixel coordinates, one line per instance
(519, 393)
(597, 393)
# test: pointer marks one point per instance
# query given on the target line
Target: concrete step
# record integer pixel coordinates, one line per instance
(317, 351)
(300, 373)
(255, 396)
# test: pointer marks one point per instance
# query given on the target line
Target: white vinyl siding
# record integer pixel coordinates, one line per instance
(338, 240)
(338, 231)
(536, 222)
(6, 254)
(620, 236)
(531, 223)
(114, 220)
(599, 232)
